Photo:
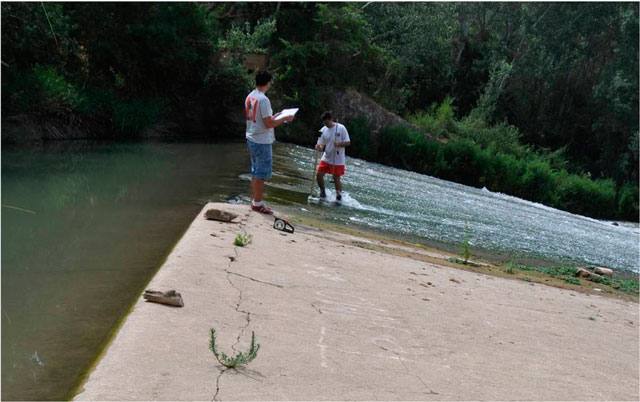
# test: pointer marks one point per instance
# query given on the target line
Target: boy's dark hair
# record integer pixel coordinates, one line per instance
(263, 78)
(326, 116)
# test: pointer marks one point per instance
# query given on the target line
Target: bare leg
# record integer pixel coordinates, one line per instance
(338, 183)
(320, 179)
(257, 185)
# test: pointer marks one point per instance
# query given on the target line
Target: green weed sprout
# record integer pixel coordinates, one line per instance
(465, 249)
(240, 358)
(242, 239)
(510, 269)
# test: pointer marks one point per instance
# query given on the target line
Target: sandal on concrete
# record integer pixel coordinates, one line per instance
(263, 209)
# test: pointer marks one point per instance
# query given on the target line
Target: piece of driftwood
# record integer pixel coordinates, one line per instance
(583, 273)
(586, 274)
(170, 297)
(218, 215)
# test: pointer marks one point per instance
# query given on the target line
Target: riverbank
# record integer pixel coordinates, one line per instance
(337, 320)
(623, 285)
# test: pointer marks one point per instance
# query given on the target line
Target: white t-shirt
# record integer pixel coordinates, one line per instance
(337, 133)
(256, 107)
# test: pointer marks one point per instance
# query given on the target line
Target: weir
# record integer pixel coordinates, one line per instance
(336, 321)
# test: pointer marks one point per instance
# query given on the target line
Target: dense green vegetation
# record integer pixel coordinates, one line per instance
(491, 156)
(125, 66)
(538, 100)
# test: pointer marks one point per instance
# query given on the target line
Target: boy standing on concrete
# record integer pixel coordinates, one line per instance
(260, 137)
(333, 141)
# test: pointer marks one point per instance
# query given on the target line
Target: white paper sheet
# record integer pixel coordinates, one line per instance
(287, 112)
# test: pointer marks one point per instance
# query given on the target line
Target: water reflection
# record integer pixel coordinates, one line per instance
(105, 217)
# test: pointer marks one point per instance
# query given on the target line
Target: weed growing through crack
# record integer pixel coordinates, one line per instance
(239, 358)
(242, 239)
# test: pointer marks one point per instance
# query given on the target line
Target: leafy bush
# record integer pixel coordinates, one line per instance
(54, 86)
(134, 116)
(360, 132)
(628, 201)
(241, 38)
(506, 173)
(438, 121)
(584, 196)
(96, 101)
(537, 182)
(43, 89)
(405, 148)
(502, 137)
(464, 161)
(160, 59)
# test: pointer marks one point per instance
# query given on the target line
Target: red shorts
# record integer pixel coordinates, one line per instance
(336, 170)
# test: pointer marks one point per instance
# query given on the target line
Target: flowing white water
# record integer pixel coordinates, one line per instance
(409, 203)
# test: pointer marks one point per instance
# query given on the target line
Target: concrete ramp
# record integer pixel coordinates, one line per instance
(338, 322)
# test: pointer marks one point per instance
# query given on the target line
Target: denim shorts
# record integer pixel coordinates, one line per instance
(261, 159)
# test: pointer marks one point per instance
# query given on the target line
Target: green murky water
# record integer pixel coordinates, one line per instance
(96, 221)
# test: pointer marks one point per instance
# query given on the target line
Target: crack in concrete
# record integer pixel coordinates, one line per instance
(431, 392)
(257, 280)
(218, 385)
(316, 307)
(242, 331)
(240, 293)
(248, 314)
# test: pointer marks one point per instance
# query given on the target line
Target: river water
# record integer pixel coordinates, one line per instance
(441, 212)
(103, 218)
(85, 225)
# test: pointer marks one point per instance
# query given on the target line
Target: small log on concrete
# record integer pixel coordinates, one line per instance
(604, 271)
(218, 215)
(583, 273)
(596, 278)
(170, 297)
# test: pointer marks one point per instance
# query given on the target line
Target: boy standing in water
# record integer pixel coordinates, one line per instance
(333, 141)
(260, 137)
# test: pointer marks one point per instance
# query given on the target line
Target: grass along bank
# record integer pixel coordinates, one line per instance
(622, 286)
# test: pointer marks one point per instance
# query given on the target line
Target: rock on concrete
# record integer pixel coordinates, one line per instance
(339, 322)
(604, 271)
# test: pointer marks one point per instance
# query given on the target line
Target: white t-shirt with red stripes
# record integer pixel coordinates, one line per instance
(256, 107)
